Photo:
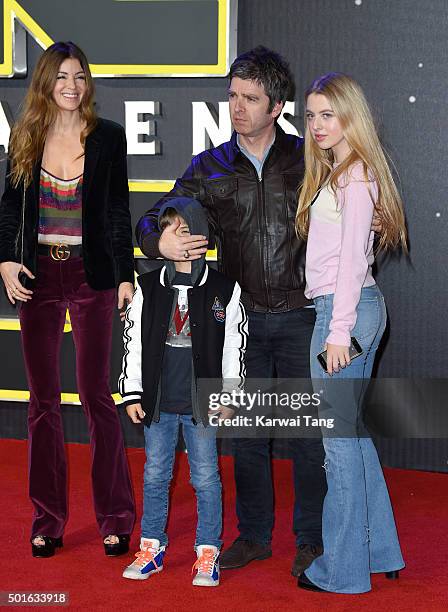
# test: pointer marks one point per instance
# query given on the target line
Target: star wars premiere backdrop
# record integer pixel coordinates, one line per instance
(160, 71)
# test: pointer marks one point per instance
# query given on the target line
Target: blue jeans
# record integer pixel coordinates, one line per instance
(279, 345)
(160, 447)
(358, 526)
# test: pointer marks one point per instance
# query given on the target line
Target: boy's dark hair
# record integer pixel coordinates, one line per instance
(167, 217)
(268, 69)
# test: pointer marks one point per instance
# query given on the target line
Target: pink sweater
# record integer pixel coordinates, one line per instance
(339, 254)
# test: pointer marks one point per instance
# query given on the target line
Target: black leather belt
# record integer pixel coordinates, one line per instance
(60, 251)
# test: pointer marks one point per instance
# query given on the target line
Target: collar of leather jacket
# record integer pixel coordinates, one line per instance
(282, 142)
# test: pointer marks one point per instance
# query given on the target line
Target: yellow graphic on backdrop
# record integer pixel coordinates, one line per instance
(13, 10)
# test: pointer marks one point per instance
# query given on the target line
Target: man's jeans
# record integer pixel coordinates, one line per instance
(160, 446)
(279, 345)
(359, 531)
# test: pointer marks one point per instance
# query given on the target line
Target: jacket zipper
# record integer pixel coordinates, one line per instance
(260, 192)
(263, 204)
(195, 412)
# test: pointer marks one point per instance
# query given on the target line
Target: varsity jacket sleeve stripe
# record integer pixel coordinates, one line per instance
(235, 342)
(130, 381)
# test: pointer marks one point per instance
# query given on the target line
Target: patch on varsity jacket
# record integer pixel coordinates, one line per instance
(219, 311)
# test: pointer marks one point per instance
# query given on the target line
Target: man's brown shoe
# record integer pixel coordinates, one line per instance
(306, 553)
(243, 552)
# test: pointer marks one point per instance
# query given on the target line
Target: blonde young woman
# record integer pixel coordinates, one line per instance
(347, 180)
(66, 242)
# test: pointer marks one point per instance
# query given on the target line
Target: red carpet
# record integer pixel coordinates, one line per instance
(94, 582)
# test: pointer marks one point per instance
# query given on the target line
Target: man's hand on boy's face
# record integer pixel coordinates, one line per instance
(181, 248)
(223, 412)
(135, 412)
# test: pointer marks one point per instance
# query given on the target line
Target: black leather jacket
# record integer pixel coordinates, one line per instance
(252, 220)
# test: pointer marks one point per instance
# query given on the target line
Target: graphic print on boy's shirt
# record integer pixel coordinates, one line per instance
(176, 368)
(179, 333)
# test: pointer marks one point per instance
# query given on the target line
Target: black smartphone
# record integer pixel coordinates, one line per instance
(355, 350)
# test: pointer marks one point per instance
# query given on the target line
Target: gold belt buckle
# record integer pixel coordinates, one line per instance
(59, 252)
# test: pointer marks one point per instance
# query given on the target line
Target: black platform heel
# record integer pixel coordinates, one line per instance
(393, 575)
(48, 548)
(119, 548)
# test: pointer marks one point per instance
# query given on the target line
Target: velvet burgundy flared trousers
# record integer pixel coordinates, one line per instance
(62, 285)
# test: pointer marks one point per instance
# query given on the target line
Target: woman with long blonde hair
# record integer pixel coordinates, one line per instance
(66, 243)
(347, 181)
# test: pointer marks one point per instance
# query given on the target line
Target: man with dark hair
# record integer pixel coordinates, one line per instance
(267, 69)
(248, 187)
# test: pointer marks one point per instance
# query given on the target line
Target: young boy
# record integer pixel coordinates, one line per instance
(185, 322)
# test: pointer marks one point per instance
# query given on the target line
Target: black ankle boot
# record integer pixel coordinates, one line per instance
(120, 548)
(303, 582)
(393, 575)
(46, 549)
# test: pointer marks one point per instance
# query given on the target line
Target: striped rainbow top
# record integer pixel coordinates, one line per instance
(60, 209)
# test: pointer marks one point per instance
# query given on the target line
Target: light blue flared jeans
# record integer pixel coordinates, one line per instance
(358, 526)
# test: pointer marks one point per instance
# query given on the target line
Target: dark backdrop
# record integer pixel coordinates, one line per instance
(397, 51)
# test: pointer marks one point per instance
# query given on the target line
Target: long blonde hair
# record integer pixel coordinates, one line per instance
(39, 110)
(350, 106)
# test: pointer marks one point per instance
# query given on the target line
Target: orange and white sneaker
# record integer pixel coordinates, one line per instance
(149, 560)
(206, 566)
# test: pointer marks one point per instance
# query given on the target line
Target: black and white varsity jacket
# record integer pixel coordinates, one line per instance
(218, 325)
